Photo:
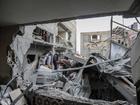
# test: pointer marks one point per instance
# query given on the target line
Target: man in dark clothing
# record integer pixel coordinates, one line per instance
(49, 59)
(55, 61)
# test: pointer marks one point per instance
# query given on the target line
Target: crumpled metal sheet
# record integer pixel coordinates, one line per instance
(117, 71)
(118, 68)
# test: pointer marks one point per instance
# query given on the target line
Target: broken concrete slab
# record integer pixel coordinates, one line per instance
(14, 94)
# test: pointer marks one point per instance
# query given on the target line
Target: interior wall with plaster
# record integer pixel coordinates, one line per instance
(6, 35)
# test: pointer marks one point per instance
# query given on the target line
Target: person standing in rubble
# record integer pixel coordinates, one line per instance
(49, 59)
(55, 61)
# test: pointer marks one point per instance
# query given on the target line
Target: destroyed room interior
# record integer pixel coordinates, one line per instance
(70, 52)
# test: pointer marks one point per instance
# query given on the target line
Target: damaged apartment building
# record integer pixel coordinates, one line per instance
(95, 42)
(99, 42)
(47, 71)
(33, 42)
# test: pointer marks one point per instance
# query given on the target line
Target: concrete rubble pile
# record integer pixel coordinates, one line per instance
(78, 80)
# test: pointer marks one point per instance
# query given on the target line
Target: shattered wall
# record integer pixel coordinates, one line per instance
(24, 47)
